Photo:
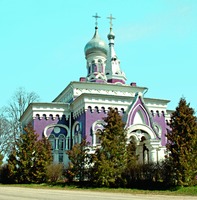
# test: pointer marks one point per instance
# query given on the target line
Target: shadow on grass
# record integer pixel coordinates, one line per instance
(140, 185)
(143, 187)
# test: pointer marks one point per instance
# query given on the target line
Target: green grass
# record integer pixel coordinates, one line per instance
(190, 191)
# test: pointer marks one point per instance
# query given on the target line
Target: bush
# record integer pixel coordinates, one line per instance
(5, 175)
(155, 174)
(54, 172)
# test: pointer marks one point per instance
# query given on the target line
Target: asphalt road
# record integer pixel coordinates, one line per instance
(16, 193)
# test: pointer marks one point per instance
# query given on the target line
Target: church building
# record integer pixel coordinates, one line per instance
(78, 111)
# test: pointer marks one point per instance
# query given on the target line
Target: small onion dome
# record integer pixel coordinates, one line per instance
(96, 44)
(111, 35)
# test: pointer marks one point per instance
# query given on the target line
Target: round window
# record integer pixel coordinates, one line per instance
(57, 129)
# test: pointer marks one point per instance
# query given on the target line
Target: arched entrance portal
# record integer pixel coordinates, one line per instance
(148, 146)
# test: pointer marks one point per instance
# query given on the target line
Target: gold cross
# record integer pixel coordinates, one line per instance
(96, 17)
(111, 18)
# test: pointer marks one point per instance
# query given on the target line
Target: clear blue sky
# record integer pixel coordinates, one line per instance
(42, 45)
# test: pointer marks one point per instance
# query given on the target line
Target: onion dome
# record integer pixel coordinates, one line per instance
(111, 35)
(96, 45)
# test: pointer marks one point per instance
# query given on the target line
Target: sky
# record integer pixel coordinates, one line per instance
(42, 45)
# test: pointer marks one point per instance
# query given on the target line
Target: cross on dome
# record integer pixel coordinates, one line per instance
(96, 17)
(111, 18)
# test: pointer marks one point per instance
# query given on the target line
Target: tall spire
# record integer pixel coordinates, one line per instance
(113, 71)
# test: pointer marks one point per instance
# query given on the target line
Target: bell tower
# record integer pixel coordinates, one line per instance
(113, 71)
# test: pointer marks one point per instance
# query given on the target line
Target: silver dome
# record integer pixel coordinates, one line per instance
(96, 44)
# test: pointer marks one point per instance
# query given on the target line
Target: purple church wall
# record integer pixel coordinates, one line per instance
(81, 120)
(91, 116)
(99, 81)
(40, 123)
(159, 118)
(115, 81)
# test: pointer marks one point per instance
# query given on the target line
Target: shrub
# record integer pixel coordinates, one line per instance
(54, 172)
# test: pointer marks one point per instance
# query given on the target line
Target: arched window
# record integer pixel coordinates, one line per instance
(98, 137)
(100, 66)
(52, 141)
(76, 133)
(93, 66)
(97, 128)
(61, 145)
(77, 137)
(89, 68)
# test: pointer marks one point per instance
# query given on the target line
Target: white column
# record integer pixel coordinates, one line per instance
(153, 155)
(56, 143)
(66, 140)
(161, 153)
(140, 153)
(154, 147)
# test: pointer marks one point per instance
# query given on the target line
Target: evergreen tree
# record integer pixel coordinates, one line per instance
(43, 158)
(110, 158)
(29, 160)
(182, 144)
(1, 159)
(131, 164)
(80, 160)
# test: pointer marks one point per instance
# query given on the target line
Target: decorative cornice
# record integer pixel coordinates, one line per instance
(99, 103)
(75, 89)
(45, 109)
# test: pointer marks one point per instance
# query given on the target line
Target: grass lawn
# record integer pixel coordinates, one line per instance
(191, 191)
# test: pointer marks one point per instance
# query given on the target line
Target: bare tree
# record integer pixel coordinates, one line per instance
(10, 127)
(4, 134)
